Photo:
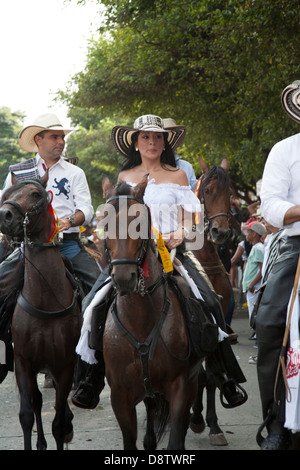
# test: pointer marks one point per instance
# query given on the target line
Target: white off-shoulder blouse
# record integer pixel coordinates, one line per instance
(164, 199)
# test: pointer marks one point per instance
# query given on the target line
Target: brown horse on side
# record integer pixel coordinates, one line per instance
(145, 343)
(214, 193)
(47, 318)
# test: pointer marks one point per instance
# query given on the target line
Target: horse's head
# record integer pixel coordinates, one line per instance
(214, 194)
(126, 223)
(22, 206)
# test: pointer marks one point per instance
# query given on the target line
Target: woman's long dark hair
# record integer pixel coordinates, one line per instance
(134, 158)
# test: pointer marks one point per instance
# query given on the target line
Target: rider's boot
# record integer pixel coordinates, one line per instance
(231, 392)
(87, 394)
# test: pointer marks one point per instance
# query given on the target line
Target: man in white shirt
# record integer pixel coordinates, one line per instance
(280, 206)
(71, 201)
(68, 185)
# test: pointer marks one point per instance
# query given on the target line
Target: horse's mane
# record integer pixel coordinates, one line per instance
(123, 189)
(219, 174)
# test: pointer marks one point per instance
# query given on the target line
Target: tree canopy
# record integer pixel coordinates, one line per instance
(219, 67)
(10, 152)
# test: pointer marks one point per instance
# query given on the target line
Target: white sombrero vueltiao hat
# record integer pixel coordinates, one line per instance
(44, 122)
(290, 100)
(122, 135)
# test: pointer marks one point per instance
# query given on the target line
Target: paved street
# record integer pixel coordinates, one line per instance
(98, 430)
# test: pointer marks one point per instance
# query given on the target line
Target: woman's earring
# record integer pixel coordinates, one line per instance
(136, 149)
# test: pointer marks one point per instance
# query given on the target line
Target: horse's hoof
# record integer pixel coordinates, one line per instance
(197, 428)
(68, 437)
(218, 439)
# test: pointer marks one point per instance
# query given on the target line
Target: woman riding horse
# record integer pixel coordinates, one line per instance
(148, 148)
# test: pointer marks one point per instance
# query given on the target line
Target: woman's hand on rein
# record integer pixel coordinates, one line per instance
(174, 239)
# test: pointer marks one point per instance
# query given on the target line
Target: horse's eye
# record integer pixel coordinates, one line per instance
(207, 191)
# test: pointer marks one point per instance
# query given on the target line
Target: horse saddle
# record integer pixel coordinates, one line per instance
(202, 330)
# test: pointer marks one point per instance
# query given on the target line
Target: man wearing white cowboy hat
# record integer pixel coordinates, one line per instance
(68, 184)
(280, 206)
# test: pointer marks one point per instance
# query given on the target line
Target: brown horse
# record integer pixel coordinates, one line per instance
(145, 344)
(214, 191)
(47, 318)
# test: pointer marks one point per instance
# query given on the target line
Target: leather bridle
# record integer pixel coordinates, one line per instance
(145, 241)
(37, 209)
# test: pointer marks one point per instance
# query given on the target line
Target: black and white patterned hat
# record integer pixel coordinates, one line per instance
(122, 135)
(290, 99)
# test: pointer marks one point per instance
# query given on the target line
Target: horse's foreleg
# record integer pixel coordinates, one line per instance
(180, 401)
(216, 435)
(125, 413)
(150, 437)
(197, 423)
(62, 428)
(31, 404)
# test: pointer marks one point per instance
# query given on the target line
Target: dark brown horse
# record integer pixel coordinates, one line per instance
(145, 344)
(214, 191)
(47, 318)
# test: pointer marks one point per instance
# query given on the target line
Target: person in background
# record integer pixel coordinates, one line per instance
(253, 271)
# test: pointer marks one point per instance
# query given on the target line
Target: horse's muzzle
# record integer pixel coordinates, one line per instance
(10, 222)
(124, 279)
(219, 235)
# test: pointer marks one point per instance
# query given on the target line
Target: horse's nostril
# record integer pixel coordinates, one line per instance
(8, 216)
(126, 284)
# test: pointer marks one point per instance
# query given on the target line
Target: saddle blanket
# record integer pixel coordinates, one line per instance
(87, 354)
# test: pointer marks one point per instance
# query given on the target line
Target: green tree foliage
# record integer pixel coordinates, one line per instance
(10, 152)
(218, 67)
(96, 155)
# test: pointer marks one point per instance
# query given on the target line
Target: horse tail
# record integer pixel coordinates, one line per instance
(158, 414)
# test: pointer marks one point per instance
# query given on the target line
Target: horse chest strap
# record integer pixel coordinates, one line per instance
(25, 305)
(147, 348)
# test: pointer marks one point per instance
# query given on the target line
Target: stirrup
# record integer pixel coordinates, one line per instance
(259, 437)
(240, 396)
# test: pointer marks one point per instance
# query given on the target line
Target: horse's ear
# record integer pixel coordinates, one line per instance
(14, 179)
(225, 165)
(138, 190)
(204, 166)
(107, 187)
(44, 179)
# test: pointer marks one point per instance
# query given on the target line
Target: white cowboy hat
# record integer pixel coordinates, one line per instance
(122, 135)
(45, 122)
(290, 100)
